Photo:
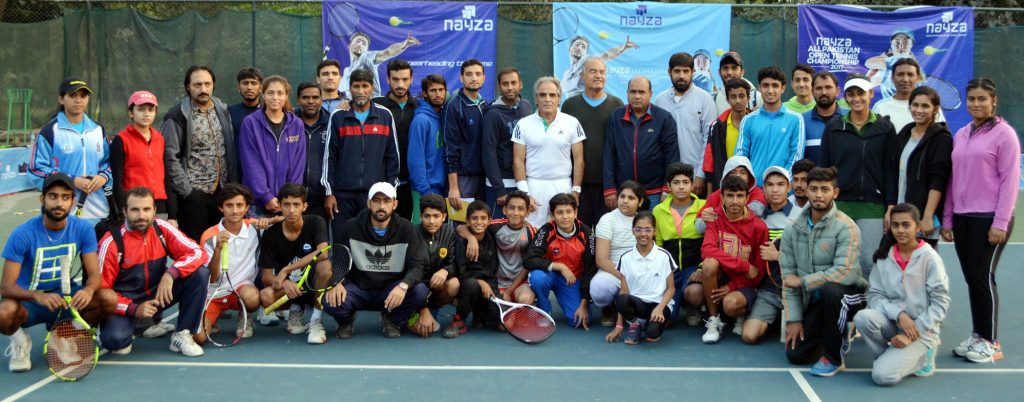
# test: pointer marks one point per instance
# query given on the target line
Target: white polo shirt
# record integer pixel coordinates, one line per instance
(242, 249)
(646, 276)
(548, 146)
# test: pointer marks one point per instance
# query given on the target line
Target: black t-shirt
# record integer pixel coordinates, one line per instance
(276, 251)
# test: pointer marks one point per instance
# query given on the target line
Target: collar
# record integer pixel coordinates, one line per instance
(786, 209)
(501, 101)
(321, 120)
(62, 122)
(130, 129)
(471, 102)
(243, 233)
(650, 255)
(628, 116)
(872, 117)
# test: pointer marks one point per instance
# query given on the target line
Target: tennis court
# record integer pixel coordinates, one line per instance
(484, 365)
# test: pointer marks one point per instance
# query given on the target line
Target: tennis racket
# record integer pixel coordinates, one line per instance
(71, 350)
(949, 96)
(528, 324)
(223, 296)
(341, 263)
(564, 24)
(342, 18)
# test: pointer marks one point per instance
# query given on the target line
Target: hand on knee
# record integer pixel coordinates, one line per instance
(735, 305)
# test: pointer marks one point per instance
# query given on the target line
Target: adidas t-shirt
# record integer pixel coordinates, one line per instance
(548, 146)
(647, 275)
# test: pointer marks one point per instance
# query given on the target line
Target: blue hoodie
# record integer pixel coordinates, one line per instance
(426, 156)
(771, 139)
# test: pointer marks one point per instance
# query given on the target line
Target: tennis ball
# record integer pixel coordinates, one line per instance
(603, 35)
(719, 52)
(395, 21)
(930, 50)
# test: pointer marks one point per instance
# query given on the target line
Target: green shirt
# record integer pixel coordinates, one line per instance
(796, 106)
(872, 118)
(861, 209)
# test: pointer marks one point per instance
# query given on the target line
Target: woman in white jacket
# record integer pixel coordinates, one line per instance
(907, 301)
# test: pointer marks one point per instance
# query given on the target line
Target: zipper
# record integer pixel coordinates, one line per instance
(145, 264)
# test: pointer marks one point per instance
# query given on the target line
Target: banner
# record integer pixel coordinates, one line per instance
(849, 39)
(435, 37)
(14, 176)
(638, 39)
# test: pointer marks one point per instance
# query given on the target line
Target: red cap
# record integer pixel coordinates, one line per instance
(142, 98)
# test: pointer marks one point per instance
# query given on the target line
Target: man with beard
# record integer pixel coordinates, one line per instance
(387, 268)
(693, 110)
(825, 88)
(315, 120)
(249, 82)
(134, 261)
(499, 120)
(362, 58)
(403, 108)
(462, 123)
(200, 152)
(361, 150)
(592, 108)
(579, 49)
(31, 277)
(801, 169)
(906, 76)
(730, 67)
(426, 141)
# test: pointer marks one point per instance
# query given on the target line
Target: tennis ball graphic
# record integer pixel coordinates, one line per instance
(930, 50)
(603, 35)
(719, 52)
(395, 21)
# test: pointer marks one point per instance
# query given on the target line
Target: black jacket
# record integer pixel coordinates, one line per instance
(499, 120)
(716, 150)
(537, 251)
(403, 118)
(929, 165)
(486, 265)
(440, 249)
(863, 160)
(377, 262)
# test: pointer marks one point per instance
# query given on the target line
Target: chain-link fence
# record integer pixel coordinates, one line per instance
(120, 47)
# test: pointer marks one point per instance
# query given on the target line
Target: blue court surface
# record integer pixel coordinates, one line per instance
(485, 365)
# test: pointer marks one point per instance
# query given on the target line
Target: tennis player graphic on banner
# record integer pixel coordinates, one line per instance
(939, 39)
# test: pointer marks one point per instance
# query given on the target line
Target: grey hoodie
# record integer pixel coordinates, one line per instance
(921, 290)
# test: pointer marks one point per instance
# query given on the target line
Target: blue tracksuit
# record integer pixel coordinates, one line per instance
(426, 152)
(771, 139)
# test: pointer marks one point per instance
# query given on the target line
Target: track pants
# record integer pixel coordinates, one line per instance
(632, 308)
(471, 300)
(978, 260)
(825, 316)
(189, 294)
(542, 191)
(892, 364)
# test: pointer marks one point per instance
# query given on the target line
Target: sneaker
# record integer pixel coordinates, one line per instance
(825, 368)
(315, 333)
(345, 331)
(632, 334)
(391, 330)
(929, 364)
(737, 328)
(295, 325)
(456, 328)
(714, 332)
(182, 341)
(963, 347)
(607, 316)
(985, 352)
(158, 330)
(19, 352)
(123, 351)
(267, 320)
(693, 318)
(244, 328)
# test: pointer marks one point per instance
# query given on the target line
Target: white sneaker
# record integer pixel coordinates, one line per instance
(248, 323)
(267, 320)
(738, 327)
(963, 347)
(316, 332)
(714, 332)
(985, 352)
(295, 325)
(19, 352)
(123, 351)
(182, 342)
(158, 330)
(693, 316)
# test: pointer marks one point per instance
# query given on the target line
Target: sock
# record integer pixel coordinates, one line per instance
(316, 314)
(295, 308)
(20, 335)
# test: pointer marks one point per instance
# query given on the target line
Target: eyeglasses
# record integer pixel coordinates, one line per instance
(643, 230)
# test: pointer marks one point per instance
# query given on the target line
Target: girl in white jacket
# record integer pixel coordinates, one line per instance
(907, 301)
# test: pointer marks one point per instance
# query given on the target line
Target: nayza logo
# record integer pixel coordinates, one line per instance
(640, 19)
(468, 22)
(946, 26)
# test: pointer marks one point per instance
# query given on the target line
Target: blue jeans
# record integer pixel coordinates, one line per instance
(188, 292)
(568, 297)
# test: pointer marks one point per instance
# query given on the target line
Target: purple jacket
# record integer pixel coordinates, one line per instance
(986, 168)
(269, 162)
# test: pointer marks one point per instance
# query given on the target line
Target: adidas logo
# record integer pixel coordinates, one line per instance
(378, 258)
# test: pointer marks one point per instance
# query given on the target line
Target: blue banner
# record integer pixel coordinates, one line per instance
(435, 37)
(638, 39)
(850, 39)
(14, 175)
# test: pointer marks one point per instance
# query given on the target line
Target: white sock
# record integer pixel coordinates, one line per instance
(20, 335)
(316, 314)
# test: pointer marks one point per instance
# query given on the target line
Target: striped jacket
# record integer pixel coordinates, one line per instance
(59, 148)
(827, 252)
(360, 154)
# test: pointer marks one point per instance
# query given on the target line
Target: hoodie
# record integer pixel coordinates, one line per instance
(928, 166)
(269, 161)
(921, 289)
(735, 244)
(755, 201)
(426, 152)
(499, 120)
(379, 261)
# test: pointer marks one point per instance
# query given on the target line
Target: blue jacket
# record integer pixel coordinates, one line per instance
(814, 128)
(640, 151)
(771, 139)
(426, 152)
(463, 135)
(360, 154)
(270, 162)
(499, 120)
(316, 140)
(59, 148)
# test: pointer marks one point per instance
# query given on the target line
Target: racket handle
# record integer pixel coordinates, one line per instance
(277, 304)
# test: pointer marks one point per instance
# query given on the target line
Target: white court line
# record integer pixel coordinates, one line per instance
(41, 383)
(804, 386)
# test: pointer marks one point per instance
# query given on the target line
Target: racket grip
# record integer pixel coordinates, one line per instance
(276, 305)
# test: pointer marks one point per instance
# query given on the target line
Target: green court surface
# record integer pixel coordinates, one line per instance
(485, 365)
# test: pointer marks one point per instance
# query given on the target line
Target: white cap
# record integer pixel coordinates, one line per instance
(859, 83)
(383, 188)
(776, 169)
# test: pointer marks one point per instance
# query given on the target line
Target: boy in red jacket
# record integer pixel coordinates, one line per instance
(732, 267)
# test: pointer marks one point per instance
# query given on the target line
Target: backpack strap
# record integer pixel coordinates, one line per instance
(119, 242)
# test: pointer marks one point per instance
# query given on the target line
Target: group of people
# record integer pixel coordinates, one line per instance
(733, 208)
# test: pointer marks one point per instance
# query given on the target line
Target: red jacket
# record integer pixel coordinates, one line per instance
(136, 280)
(142, 162)
(736, 246)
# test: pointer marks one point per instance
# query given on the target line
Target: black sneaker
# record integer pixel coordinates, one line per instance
(391, 330)
(345, 331)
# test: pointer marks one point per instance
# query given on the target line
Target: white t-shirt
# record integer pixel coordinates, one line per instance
(572, 82)
(242, 249)
(365, 61)
(618, 229)
(548, 147)
(898, 112)
(646, 276)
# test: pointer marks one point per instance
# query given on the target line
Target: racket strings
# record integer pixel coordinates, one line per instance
(70, 352)
(528, 324)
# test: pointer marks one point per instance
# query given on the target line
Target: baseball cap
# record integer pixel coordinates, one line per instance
(72, 84)
(776, 169)
(58, 178)
(904, 31)
(383, 188)
(142, 98)
(731, 58)
(859, 83)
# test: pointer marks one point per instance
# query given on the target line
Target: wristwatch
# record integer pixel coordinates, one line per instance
(576, 189)
(404, 286)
